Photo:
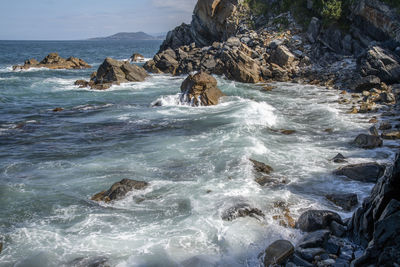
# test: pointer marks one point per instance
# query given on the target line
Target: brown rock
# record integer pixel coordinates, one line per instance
(119, 190)
(200, 90)
(391, 135)
(282, 57)
(58, 109)
(136, 57)
(54, 61)
(287, 132)
(261, 167)
(368, 141)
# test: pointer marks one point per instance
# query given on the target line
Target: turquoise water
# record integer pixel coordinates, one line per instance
(51, 163)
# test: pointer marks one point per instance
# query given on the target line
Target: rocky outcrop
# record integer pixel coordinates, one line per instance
(136, 58)
(119, 190)
(113, 72)
(364, 172)
(200, 90)
(55, 62)
(313, 220)
(367, 141)
(376, 225)
(241, 210)
(278, 252)
(345, 201)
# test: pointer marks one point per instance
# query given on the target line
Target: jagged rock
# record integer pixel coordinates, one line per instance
(119, 190)
(114, 72)
(309, 253)
(233, 42)
(382, 63)
(364, 172)
(54, 61)
(366, 83)
(367, 141)
(180, 36)
(391, 135)
(200, 90)
(89, 262)
(313, 29)
(313, 220)
(150, 66)
(339, 158)
(338, 229)
(136, 57)
(241, 210)
(374, 131)
(345, 201)
(282, 57)
(261, 167)
(278, 252)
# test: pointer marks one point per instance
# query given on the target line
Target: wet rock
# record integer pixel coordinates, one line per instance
(338, 229)
(54, 61)
(382, 63)
(197, 261)
(364, 172)
(309, 253)
(200, 90)
(278, 252)
(333, 245)
(345, 201)
(374, 131)
(391, 135)
(316, 239)
(313, 220)
(1, 247)
(287, 132)
(283, 217)
(261, 167)
(119, 190)
(266, 180)
(136, 57)
(81, 83)
(296, 261)
(367, 141)
(58, 109)
(151, 67)
(339, 158)
(241, 210)
(89, 262)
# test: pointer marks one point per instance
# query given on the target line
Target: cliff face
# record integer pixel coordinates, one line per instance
(377, 20)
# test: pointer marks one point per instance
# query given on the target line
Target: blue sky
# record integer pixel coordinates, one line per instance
(81, 19)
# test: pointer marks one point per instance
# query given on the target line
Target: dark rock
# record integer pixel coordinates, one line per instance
(364, 172)
(313, 220)
(333, 245)
(391, 135)
(382, 63)
(367, 141)
(298, 261)
(374, 131)
(136, 57)
(58, 109)
(81, 83)
(180, 36)
(315, 239)
(338, 229)
(1, 247)
(119, 190)
(54, 61)
(261, 167)
(309, 253)
(200, 90)
(345, 201)
(339, 158)
(278, 252)
(287, 132)
(89, 262)
(269, 181)
(241, 210)
(197, 261)
(366, 83)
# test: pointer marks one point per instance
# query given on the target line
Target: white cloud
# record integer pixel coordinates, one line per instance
(185, 6)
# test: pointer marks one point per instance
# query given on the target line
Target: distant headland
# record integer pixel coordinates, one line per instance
(129, 36)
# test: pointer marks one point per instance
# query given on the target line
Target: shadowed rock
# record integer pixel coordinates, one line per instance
(313, 220)
(345, 201)
(364, 172)
(89, 262)
(339, 158)
(119, 190)
(200, 90)
(278, 252)
(54, 61)
(367, 141)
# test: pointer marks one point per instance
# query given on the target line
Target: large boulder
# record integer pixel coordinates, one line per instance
(278, 252)
(282, 57)
(364, 172)
(313, 220)
(200, 90)
(119, 190)
(367, 141)
(346, 201)
(382, 63)
(54, 61)
(376, 226)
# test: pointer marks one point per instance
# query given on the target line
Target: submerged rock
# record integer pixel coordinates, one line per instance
(54, 61)
(89, 262)
(313, 220)
(345, 201)
(339, 158)
(200, 90)
(278, 252)
(364, 172)
(111, 72)
(261, 167)
(241, 210)
(119, 190)
(367, 141)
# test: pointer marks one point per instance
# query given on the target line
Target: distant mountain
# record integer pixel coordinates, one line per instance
(128, 36)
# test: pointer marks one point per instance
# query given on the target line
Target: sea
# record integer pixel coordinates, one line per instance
(196, 160)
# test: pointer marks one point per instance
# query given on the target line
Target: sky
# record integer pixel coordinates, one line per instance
(82, 19)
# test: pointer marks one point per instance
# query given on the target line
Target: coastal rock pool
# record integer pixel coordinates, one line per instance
(196, 160)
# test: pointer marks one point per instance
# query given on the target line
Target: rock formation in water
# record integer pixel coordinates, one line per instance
(55, 62)
(119, 190)
(113, 72)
